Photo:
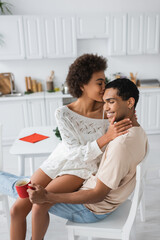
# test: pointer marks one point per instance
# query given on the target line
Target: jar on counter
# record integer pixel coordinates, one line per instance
(65, 89)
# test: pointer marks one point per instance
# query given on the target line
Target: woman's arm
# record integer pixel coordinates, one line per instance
(92, 149)
(40, 195)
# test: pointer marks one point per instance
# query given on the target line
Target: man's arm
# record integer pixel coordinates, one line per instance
(40, 195)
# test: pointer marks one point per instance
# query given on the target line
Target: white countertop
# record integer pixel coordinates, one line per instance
(40, 95)
(149, 89)
(37, 95)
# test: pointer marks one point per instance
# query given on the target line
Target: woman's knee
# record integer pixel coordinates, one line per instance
(20, 209)
(15, 210)
(38, 209)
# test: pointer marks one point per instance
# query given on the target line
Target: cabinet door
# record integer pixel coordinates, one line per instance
(36, 112)
(60, 37)
(150, 112)
(33, 37)
(135, 34)
(51, 105)
(12, 38)
(117, 42)
(90, 26)
(13, 118)
(152, 31)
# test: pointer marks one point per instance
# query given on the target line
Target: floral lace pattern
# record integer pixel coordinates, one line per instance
(78, 153)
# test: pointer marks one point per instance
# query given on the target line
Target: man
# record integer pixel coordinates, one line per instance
(115, 180)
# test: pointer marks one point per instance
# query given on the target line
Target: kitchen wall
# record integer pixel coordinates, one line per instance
(146, 66)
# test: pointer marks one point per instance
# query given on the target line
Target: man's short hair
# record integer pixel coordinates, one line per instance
(125, 89)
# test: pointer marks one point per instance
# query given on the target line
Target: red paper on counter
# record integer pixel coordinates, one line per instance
(33, 138)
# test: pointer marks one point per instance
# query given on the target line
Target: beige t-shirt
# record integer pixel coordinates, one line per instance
(117, 169)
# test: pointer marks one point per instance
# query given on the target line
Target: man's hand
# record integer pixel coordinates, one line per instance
(37, 194)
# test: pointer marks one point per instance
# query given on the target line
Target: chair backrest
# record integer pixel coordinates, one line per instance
(141, 170)
(1, 162)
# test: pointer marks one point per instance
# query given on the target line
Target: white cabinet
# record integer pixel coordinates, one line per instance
(37, 37)
(60, 37)
(135, 34)
(33, 37)
(151, 34)
(13, 118)
(36, 112)
(11, 30)
(27, 111)
(148, 110)
(51, 105)
(143, 33)
(93, 26)
(117, 41)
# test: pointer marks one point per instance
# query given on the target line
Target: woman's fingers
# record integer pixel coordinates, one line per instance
(124, 125)
(113, 120)
(123, 128)
(124, 121)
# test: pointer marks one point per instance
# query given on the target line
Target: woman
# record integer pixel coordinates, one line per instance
(83, 130)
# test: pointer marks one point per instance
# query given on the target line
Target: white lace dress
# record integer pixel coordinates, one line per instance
(78, 153)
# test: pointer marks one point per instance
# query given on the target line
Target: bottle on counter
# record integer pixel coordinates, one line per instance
(50, 83)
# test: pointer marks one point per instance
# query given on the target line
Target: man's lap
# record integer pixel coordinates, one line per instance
(75, 213)
(72, 212)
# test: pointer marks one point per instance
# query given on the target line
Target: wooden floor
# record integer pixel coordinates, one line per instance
(150, 230)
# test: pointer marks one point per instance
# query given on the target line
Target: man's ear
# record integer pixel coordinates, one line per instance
(131, 102)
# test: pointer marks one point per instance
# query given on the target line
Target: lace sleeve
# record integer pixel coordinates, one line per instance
(71, 140)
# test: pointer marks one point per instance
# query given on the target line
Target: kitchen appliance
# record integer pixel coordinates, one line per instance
(149, 82)
(7, 83)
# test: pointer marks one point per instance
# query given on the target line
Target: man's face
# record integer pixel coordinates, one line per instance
(114, 106)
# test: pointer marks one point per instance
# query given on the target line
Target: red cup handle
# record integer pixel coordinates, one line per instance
(31, 187)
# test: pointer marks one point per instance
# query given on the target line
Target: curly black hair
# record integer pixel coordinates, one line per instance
(81, 70)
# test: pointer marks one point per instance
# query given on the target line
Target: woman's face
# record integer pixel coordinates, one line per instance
(96, 87)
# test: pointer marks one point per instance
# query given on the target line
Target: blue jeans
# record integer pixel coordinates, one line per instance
(72, 212)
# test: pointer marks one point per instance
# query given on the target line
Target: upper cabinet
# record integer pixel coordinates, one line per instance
(33, 37)
(37, 37)
(117, 41)
(59, 37)
(143, 34)
(93, 26)
(135, 34)
(151, 34)
(12, 38)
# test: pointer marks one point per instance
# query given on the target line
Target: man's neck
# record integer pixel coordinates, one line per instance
(134, 120)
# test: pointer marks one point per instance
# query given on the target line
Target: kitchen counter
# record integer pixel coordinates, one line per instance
(56, 95)
(37, 95)
(149, 89)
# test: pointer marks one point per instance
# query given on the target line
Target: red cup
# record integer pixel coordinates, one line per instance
(22, 186)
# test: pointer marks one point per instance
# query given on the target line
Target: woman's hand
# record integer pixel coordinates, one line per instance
(114, 130)
(118, 128)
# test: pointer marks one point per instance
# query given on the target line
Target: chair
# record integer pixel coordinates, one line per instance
(4, 198)
(119, 224)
